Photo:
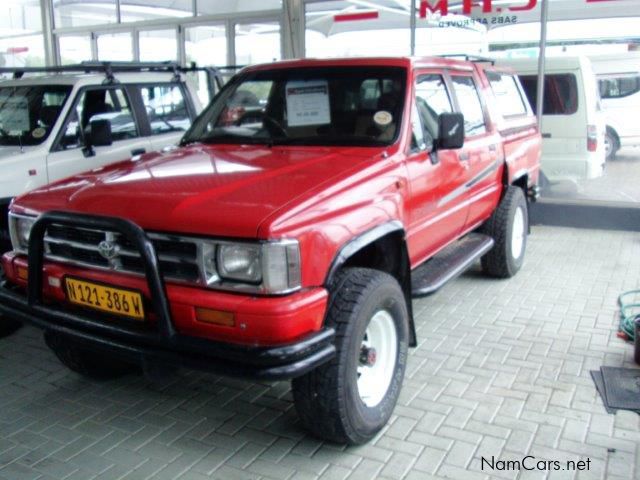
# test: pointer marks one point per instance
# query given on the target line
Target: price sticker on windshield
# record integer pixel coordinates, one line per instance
(14, 115)
(308, 103)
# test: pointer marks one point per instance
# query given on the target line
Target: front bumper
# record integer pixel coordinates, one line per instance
(166, 341)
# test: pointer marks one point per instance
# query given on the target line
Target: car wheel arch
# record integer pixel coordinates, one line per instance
(383, 248)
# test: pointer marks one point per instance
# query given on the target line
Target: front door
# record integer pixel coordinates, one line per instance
(69, 155)
(438, 209)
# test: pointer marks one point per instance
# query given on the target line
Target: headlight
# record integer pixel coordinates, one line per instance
(269, 267)
(20, 230)
(240, 263)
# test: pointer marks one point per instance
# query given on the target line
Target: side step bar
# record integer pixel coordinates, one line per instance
(432, 275)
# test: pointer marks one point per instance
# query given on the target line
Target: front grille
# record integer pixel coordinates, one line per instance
(86, 247)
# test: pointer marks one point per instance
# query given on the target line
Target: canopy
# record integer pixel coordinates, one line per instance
(330, 18)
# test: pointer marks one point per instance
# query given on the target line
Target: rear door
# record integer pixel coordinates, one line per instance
(168, 113)
(481, 155)
(564, 122)
(69, 156)
(437, 211)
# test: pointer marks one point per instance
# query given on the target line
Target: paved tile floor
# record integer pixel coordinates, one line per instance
(502, 371)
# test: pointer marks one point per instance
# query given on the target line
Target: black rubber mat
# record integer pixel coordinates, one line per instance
(622, 387)
(597, 379)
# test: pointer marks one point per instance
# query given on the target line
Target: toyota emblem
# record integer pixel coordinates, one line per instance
(108, 250)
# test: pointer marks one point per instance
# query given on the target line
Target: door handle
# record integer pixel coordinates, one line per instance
(492, 147)
(464, 156)
(138, 151)
(546, 135)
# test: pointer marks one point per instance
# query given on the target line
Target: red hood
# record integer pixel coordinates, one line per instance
(221, 190)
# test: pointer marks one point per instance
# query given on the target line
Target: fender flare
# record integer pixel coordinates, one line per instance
(365, 239)
(358, 243)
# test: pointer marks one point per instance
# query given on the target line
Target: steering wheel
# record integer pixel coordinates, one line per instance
(272, 124)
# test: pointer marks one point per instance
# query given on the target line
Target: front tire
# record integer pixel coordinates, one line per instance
(92, 364)
(350, 399)
(7, 325)
(508, 226)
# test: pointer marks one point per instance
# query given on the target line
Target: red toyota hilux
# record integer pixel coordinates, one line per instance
(287, 235)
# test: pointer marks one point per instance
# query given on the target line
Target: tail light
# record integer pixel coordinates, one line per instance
(592, 138)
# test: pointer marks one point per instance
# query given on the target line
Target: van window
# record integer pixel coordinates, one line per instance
(560, 93)
(470, 106)
(505, 88)
(619, 87)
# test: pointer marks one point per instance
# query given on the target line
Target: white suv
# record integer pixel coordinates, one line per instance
(60, 121)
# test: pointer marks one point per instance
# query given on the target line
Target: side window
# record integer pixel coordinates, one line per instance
(432, 99)
(560, 93)
(166, 108)
(505, 88)
(470, 105)
(99, 104)
(619, 87)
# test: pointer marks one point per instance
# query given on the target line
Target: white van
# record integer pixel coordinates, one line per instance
(60, 121)
(619, 82)
(573, 128)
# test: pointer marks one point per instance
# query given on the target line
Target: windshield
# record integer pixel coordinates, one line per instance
(359, 106)
(28, 113)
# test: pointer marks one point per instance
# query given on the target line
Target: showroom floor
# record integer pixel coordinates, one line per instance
(502, 371)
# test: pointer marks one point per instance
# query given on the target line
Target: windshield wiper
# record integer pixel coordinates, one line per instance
(348, 140)
(230, 138)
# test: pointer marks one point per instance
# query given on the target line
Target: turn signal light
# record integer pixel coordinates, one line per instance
(215, 317)
(23, 273)
(592, 138)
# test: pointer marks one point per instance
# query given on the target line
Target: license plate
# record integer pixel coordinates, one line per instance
(105, 298)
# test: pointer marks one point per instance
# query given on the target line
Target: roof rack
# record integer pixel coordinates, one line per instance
(471, 58)
(110, 68)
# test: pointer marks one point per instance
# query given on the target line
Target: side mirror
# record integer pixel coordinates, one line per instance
(450, 131)
(99, 134)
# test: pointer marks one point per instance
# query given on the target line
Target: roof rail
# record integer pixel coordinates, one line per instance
(471, 58)
(109, 68)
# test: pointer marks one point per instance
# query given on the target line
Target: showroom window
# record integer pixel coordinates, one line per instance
(21, 39)
(71, 13)
(258, 42)
(74, 48)
(205, 45)
(166, 108)
(137, 11)
(158, 45)
(470, 106)
(115, 46)
(224, 7)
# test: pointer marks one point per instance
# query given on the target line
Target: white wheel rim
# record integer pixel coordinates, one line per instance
(517, 235)
(377, 358)
(608, 146)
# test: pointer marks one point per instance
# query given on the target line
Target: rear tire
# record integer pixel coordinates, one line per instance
(350, 399)
(612, 144)
(88, 363)
(508, 226)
